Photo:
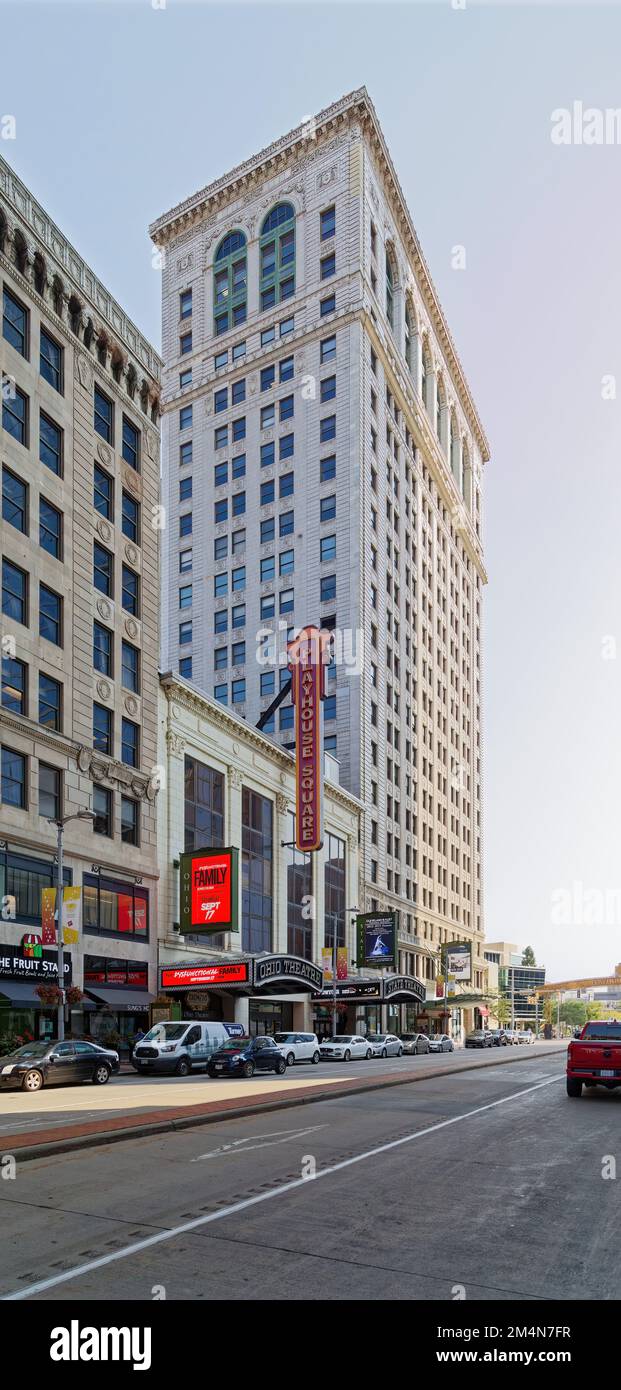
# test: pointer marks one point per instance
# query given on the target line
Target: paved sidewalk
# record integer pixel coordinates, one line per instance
(152, 1109)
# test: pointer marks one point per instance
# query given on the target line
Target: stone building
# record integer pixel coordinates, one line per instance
(323, 462)
(80, 627)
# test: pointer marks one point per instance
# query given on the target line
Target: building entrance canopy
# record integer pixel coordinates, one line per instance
(388, 989)
(249, 975)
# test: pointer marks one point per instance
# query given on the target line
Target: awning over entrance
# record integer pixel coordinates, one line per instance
(454, 1001)
(403, 989)
(19, 993)
(286, 975)
(124, 1000)
(248, 975)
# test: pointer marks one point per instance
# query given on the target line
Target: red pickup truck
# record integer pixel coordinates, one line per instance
(594, 1059)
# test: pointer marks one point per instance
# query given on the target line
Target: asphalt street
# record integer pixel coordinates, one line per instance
(56, 1106)
(489, 1181)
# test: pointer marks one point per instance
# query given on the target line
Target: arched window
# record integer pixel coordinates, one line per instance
(409, 337)
(39, 273)
(277, 253)
(390, 292)
(20, 251)
(230, 283)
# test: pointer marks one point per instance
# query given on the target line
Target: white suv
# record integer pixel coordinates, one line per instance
(298, 1047)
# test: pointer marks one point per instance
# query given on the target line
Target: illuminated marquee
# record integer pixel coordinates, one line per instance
(306, 664)
(208, 897)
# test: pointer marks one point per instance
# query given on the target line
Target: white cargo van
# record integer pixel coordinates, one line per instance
(179, 1047)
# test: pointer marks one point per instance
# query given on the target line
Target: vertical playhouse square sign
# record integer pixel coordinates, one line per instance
(306, 664)
(208, 890)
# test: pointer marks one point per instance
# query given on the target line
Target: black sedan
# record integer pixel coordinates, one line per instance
(244, 1056)
(40, 1064)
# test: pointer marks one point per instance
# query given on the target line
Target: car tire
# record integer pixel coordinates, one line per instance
(101, 1075)
(574, 1088)
(211, 1073)
(369, 1055)
(248, 1069)
(383, 1052)
(33, 1081)
(290, 1058)
(347, 1057)
(316, 1058)
(400, 1052)
(183, 1067)
(281, 1066)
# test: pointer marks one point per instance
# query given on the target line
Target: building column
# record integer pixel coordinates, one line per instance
(242, 1011)
(279, 934)
(233, 836)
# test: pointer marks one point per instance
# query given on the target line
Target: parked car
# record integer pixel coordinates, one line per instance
(527, 1035)
(298, 1047)
(499, 1037)
(594, 1059)
(480, 1037)
(511, 1035)
(178, 1047)
(385, 1044)
(40, 1064)
(343, 1046)
(440, 1042)
(415, 1043)
(244, 1056)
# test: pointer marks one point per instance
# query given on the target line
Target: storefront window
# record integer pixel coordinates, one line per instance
(257, 856)
(114, 908)
(299, 891)
(204, 806)
(103, 970)
(334, 890)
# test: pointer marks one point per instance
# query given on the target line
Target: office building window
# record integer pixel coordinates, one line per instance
(185, 668)
(327, 548)
(185, 304)
(130, 521)
(327, 588)
(102, 729)
(238, 692)
(14, 685)
(104, 416)
(103, 569)
(103, 649)
(277, 256)
(185, 633)
(327, 469)
(50, 702)
(50, 615)
(14, 501)
(327, 351)
(230, 282)
(131, 444)
(14, 323)
(328, 266)
(130, 592)
(185, 344)
(103, 493)
(50, 529)
(328, 223)
(327, 428)
(285, 485)
(327, 508)
(204, 806)
(238, 615)
(185, 596)
(185, 417)
(185, 561)
(130, 820)
(130, 743)
(14, 593)
(257, 860)
(50, 792)
(130, 671)
(334, 890)
(15, 414)
(51, 361)
(299, 890)
(13, 778)
(328, 389)
(50, 445)
(185, 453)
(286, 602)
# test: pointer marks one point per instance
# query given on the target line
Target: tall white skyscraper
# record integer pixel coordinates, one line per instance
(323, 463)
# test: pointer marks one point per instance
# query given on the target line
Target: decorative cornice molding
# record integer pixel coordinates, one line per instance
(348, 110)
(26, 211)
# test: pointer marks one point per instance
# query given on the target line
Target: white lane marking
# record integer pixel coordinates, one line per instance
(43, 1284)
(243, 1146)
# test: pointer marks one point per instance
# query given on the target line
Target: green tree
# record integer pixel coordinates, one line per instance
(502, 1009)
(528, 956)
(573, 1012)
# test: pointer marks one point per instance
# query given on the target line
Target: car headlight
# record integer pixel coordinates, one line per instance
(168, 1047)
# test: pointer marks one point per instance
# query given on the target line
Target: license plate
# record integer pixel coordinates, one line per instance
(606, 1073)
(219, 1066)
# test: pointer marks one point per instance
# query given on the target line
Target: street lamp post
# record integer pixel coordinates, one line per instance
(60, 828)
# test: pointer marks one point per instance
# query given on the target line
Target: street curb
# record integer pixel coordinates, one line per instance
(139, 1131)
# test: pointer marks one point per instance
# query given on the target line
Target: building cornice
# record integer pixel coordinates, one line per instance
(179, 692)
(25, 209)
(245, 177)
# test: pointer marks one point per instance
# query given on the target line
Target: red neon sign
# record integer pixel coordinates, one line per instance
(189, 976)
(211, 889)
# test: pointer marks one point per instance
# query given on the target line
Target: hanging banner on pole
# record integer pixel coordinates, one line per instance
(307, 654)
(71, 915)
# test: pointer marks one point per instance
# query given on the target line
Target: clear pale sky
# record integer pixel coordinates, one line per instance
(123, 109)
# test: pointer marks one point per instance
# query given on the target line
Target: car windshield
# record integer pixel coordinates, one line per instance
(31, 1050)
(341, 1038)
(165, 1032)
(376, 1037)
(604, 1032)
(285, 1037)
(235, 1045)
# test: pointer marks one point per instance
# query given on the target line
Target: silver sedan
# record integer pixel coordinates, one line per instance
(385, 1044)
(440, 1042)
